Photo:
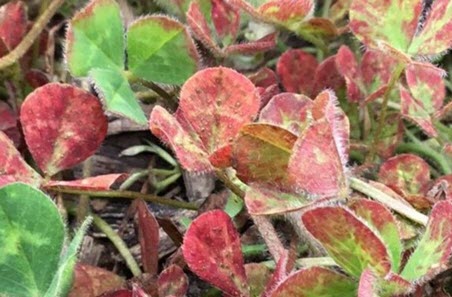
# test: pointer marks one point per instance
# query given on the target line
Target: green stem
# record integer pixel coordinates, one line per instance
(426, 151)
(443, 128)
(161, 185)
(307, 262)
(316, 42)
(146, 96)
(318, 261)
(162, 154)
(229, 184)
(118, 243)
(31, 36)
(133, 178)
(384, 108)
(326, 8)
(123, 195)
(387, 200)
(157, 89)
(164, 172)
(250, 250)
(392, 105)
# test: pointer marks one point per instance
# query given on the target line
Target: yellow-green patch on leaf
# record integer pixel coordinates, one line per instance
(318, 282)
(348, 240)
(63, 126)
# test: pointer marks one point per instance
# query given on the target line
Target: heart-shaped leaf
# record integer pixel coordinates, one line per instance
(367, 79)
(30, 245)
(436, 34)
(13, 167)
(380, 218)
(289, 111)
(408, 175)
(261, 154)
(167, 54)
(86, 48)
(217, 102)
(348, 240)
(394, 25)
(318, 163)
(117, 95)
(295, 68)
(327, 76)
(212, 250)
(172, 282)
(95, 183)
(72, 121)
(316, 281)
(426, 84)
(433, 251)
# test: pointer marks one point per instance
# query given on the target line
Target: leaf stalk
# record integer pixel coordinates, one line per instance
(387, 200)
(124, 195)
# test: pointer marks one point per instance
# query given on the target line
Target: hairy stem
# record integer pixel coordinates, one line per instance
(387, 200)
(123, 195)
(269, 235)
(384, 108)
(229, 184)
(118, 243)
(14, 55)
